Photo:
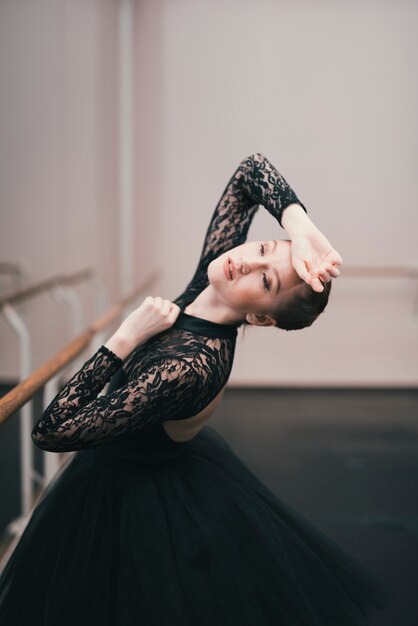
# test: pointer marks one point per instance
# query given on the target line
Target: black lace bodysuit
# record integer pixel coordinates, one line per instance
(140, 529)
(176, 373)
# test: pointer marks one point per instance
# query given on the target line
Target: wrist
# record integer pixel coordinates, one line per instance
(295, 220)
(120, 345)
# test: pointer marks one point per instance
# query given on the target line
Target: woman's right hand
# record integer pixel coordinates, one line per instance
(152, 317)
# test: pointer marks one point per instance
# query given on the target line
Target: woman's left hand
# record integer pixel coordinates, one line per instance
(314, 258)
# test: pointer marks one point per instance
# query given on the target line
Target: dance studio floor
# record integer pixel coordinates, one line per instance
(348, 461)
(345, 459)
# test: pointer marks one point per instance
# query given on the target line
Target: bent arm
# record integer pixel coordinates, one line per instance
(77, 419)
(255, 181)
(295, 220)
(263, 183)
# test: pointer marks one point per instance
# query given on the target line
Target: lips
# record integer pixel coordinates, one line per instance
(229, 268)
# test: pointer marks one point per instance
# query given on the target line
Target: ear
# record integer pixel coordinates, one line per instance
(260, 320)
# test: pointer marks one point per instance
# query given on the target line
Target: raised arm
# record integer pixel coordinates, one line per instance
(255, 181)
(77, 419)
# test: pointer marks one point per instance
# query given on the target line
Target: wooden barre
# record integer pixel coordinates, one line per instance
(9, 267)
(38, 288)
(25, 390)
(390, 271)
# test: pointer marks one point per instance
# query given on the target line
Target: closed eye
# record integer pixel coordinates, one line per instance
(268, 284)
(265, 282)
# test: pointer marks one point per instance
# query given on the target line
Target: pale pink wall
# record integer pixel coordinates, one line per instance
(327, 91)
(58, 155)
(148, 138)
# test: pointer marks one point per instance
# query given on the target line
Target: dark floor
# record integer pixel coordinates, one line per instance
(345, 459)
(348, 461)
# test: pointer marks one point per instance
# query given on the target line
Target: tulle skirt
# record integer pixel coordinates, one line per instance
(195, 540)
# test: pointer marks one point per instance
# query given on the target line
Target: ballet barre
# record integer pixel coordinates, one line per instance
(11, 267)
(385, 271)
(14, 271)
(48, 374)
(60, 286)
(381, 271)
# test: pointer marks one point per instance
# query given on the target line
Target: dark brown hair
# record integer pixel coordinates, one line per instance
(300, 307)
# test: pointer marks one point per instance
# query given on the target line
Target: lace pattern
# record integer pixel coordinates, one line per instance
(177, 373)
(255, 181)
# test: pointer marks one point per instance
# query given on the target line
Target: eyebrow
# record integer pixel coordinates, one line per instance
(272, 249)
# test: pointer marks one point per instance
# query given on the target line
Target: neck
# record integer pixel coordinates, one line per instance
(208, 306)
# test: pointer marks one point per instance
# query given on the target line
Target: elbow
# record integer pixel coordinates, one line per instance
(255, 156)
(41, 440)
(53, 442)
(38, 439)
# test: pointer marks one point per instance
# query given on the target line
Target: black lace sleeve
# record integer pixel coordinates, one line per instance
(77, 419)
(255, 181)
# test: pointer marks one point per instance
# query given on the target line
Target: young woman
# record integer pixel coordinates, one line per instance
(155, 521)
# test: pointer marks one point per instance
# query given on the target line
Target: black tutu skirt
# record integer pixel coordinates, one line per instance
(196, 539)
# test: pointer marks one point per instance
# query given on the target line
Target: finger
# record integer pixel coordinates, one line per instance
(316, 284)
(328, 266)
(334, 271)
(324, 276)
(174, 313)
(336, 258)
(166, 307)
(301, 270)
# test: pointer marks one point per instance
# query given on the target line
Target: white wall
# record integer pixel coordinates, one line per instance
(58, 156)
(148, 145)
(327, 92)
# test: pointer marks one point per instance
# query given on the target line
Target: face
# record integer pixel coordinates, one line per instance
(253, 276)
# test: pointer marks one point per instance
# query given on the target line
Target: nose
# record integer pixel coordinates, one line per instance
(245, 267)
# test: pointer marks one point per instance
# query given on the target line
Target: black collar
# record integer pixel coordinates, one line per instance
(205, 327)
